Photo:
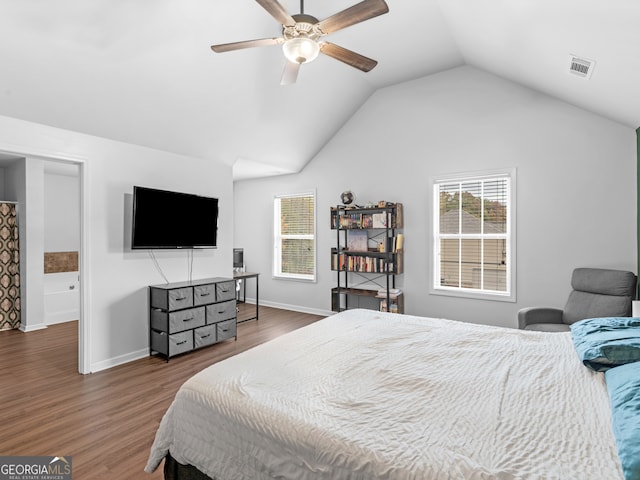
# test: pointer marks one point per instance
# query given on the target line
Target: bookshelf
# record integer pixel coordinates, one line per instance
(369, 251)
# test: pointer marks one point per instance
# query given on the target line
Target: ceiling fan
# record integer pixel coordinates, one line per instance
(301, 34)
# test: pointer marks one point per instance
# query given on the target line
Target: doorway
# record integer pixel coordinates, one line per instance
(31, 173)
(61, 242)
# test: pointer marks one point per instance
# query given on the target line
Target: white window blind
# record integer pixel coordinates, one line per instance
(294, 239)
(473, 240)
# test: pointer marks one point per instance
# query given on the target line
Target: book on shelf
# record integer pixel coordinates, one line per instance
(346, 218)
(391, 290)
(393, 308)
(361, 264)
(393, 293)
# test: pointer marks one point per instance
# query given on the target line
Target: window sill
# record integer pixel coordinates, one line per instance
(475, 295)
(294, 278)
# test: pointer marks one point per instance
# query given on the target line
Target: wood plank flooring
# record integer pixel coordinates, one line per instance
(105, 421)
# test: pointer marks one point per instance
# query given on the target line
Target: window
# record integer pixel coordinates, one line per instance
(295, 236)
(473, 236)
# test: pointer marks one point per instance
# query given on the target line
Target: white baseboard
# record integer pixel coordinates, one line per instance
(130, 357)
(115, 361)
(31, 328)
(294, 308)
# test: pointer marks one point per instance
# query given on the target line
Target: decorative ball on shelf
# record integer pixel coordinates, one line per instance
(347, 197)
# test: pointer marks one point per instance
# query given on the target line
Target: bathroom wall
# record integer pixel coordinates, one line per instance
(61, 216)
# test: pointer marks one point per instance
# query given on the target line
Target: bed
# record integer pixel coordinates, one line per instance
(372, 395)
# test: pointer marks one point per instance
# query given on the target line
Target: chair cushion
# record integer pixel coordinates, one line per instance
(604, 281)
(548, 327)
(581, 305)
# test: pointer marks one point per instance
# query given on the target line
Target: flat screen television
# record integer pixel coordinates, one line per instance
(166, 220)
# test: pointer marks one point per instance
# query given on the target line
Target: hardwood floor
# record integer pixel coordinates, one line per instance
(105, 421)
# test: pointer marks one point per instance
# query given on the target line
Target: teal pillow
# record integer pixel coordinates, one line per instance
(623, 383)
(603, 343)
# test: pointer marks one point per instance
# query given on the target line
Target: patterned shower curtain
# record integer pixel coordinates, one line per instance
(9, 267)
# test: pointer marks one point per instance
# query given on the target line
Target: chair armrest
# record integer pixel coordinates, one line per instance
(530, 315)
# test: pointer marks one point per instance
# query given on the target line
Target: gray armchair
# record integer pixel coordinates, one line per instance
(597, 292)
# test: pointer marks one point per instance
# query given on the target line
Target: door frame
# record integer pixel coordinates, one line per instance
(84, 322)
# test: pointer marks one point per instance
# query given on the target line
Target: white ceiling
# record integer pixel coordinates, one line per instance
(141, 71)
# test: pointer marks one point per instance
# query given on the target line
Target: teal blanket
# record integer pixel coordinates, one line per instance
(603, 343)
(623, 383)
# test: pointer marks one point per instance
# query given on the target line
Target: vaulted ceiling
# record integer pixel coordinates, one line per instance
(141, 71)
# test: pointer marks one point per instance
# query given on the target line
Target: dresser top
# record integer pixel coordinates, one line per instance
(192, 283)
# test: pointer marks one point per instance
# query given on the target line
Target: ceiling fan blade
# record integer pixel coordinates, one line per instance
(262, 42)
(290, 73)
(277, 11)
(347, 56)
(357, 13)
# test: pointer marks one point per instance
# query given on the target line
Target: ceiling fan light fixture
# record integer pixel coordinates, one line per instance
(301, 49)
(302, 36)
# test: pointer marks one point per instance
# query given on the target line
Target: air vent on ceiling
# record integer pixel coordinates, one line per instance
(581, 66)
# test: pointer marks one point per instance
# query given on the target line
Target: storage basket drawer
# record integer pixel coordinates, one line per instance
(225, 291)
(180, 343)
(173, 299)
(204, 336)
(171, 345)
(221, 311)
(184, 319)
(173, 322)
(203, 294)
(226, 329)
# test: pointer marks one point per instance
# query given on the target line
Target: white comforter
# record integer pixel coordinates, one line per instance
(369, 395)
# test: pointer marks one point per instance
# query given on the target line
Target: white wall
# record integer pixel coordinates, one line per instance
(576, 192)
(61, 213)
(3, 195)
(119, 277)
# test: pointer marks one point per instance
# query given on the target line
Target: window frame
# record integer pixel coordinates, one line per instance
(509, 236)
(278, 236)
